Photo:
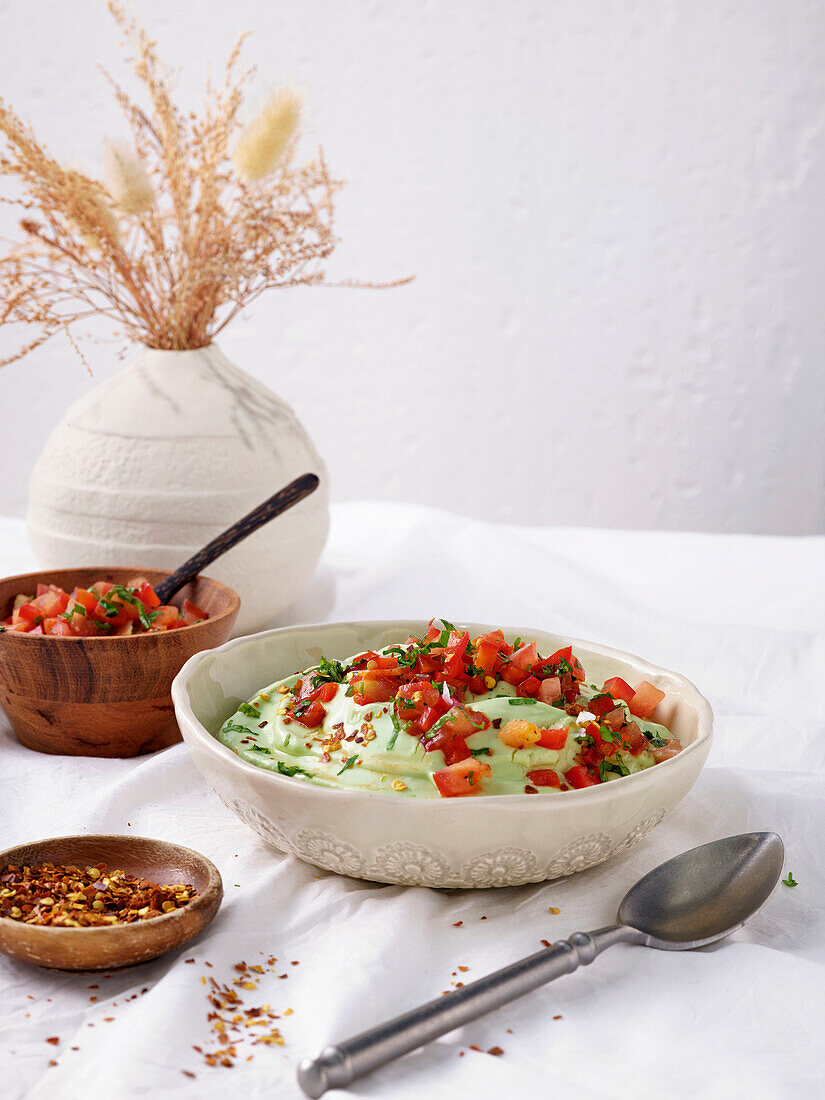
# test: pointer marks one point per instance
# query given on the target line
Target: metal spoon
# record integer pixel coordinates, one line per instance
(692, 900)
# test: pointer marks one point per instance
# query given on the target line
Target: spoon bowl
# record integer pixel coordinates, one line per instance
(705, 894)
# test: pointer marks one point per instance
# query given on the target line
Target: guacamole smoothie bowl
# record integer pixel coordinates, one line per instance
(491, 758)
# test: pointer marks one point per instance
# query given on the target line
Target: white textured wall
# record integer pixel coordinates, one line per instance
(615, 212)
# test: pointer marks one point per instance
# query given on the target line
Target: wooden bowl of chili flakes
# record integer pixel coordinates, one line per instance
(163, 896)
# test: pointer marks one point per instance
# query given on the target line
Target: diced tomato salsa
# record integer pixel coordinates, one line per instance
(432, 685)
(102, 610)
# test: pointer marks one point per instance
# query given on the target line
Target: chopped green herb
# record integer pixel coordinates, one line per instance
(260, 748)
(397, 727)
(78, 609)
(516, 643)
(348, 764)
(249, 710)
(328, 672)
(656, 739)
(606, 735)
(616, 766)
(234, 727)
(291, 770)
(481, 752)
(520, 702)
(790, 880)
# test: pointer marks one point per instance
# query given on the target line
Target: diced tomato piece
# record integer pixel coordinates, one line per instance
(529, 688)
(60, 628)
(553, 739)
(549, 690)
(125, 611)
(619, 688)
(645, 700)
(672, 747)
(428, 719)
(176, 624)
(37, 629)
(578, 669)
(454, 747)
(52, 603)
(563, 654)
(30, 614)
(633, 737)
(433, 632)
(579, 777)
(100, 588)
(461, 779)
(544, 777)
(601, 704)
(86, 599)
(311, 715)
(512, 675)
(326, 692)
(165, 615)
(191, 613)
(486, 657)
(463, 722)
(372, 686)
(525, 657)
(149, 597)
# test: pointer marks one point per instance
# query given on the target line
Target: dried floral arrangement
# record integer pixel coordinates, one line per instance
(186, 227)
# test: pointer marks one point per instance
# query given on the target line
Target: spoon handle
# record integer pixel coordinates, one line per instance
(285, 498)
(337, 1066)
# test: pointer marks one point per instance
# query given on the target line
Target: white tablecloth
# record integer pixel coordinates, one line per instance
(741, 616)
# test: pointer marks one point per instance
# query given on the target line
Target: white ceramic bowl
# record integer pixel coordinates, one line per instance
(500, 840)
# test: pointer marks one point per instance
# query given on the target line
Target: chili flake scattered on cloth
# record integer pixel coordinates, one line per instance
(233, 1022)
(75, 897)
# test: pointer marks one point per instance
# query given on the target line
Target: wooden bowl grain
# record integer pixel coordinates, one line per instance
(118, 944)
(102, 696)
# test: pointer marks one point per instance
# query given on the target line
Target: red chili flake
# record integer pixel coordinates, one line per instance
(92, 1000)
(74, 1048)
(546, 943)
(484, 918)
(458, 924)
(474, 1047)
(108, 1019)
(187, 1073)
(188, 961)
(557, 1017)
(496, 1051)
(294, 962)
(207, 963)
(509, 1031)
(54, 1040)
(52, 1062)
(461, 1054)
(93, 987)
(464, 969)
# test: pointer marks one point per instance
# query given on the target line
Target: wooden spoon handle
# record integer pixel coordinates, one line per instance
(285, 498)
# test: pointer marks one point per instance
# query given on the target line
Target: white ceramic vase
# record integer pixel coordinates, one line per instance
(150, 465)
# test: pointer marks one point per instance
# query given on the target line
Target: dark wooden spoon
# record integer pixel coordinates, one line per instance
(285, 498)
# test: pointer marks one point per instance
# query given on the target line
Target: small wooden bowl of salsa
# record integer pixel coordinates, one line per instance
(106, 694)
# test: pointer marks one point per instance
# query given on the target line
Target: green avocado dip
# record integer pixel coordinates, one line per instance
(410, 720)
